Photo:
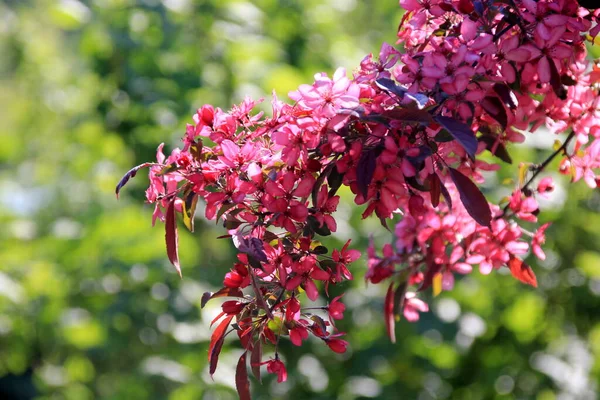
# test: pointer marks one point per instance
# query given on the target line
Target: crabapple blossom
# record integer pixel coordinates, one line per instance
(405, 133)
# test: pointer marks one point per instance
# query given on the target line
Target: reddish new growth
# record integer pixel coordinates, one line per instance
(404, 134)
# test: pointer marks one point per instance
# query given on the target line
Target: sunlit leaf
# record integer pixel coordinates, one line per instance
(388, 313)
(130, 174)
(171, 236)
(522, 271)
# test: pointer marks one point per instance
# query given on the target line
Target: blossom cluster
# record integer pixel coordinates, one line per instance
(405, 134)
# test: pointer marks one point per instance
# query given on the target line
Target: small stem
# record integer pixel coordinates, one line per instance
(277, 301)
(539, 168)
(259, 297)
(543, 166)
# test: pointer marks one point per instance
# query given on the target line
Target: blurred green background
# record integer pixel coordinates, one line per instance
(90, 307)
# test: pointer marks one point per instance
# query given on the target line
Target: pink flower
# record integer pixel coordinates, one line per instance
(545, 186)
(524, 207)
(336, 308)
(584, 166)
(337, 345)
(379, 269)
(277, 367)
(306, 271)
(297, 334)
(539, 238)
(325, 207)
(327, 96)
(412, 307)
(342, 258)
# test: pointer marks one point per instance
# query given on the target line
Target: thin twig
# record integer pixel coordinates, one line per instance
(541, 167)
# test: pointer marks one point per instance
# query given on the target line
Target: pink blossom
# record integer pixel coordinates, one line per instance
(413, 306)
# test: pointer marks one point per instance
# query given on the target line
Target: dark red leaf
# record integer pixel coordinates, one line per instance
(414, 182)
(256, 358)
(217, 334)
(196, 149)
(365, 170)
(167, 169)
(432, 269)
(223, 292)
(506, 95)
(242, 384)
(522, 271)
(130, 174)
(317, 186)
(357, 112)
(171, 236)
(224, 208)
(260, 300)
(334, 180)
(446, 194)
(556, 82)
(388, 313)
(420, 100)
(399, 296)
(493, 106)
(319, 322)
(213, 355)
(461, 132)
(252, 246)
(496, 147)
(408, 115)
(443, 136)
(474, 201)
(434, 189)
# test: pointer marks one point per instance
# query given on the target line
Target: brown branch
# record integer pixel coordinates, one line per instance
(538, 169)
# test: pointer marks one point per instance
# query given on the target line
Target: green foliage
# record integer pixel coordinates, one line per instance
(91, 308)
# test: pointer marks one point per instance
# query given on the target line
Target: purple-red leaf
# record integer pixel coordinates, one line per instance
(408, 115)
(493, 106)
(189, 210)
(461, 132)
(216, 342)
(223, 292)
(496, 147)
(432, 269)
(506, 95)
(256, 358)
(388, 313)
(434, 189)
(130, 174)
(252, 246)
(522, 271)
(171, 236)
(399, 297)
(555, 81)
(242, 384)
(390, 86)
(446, 194)
(419, 99)
(213, 355)
(474, 201)
(365, 170)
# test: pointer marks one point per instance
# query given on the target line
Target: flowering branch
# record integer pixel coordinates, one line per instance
(404, 134)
